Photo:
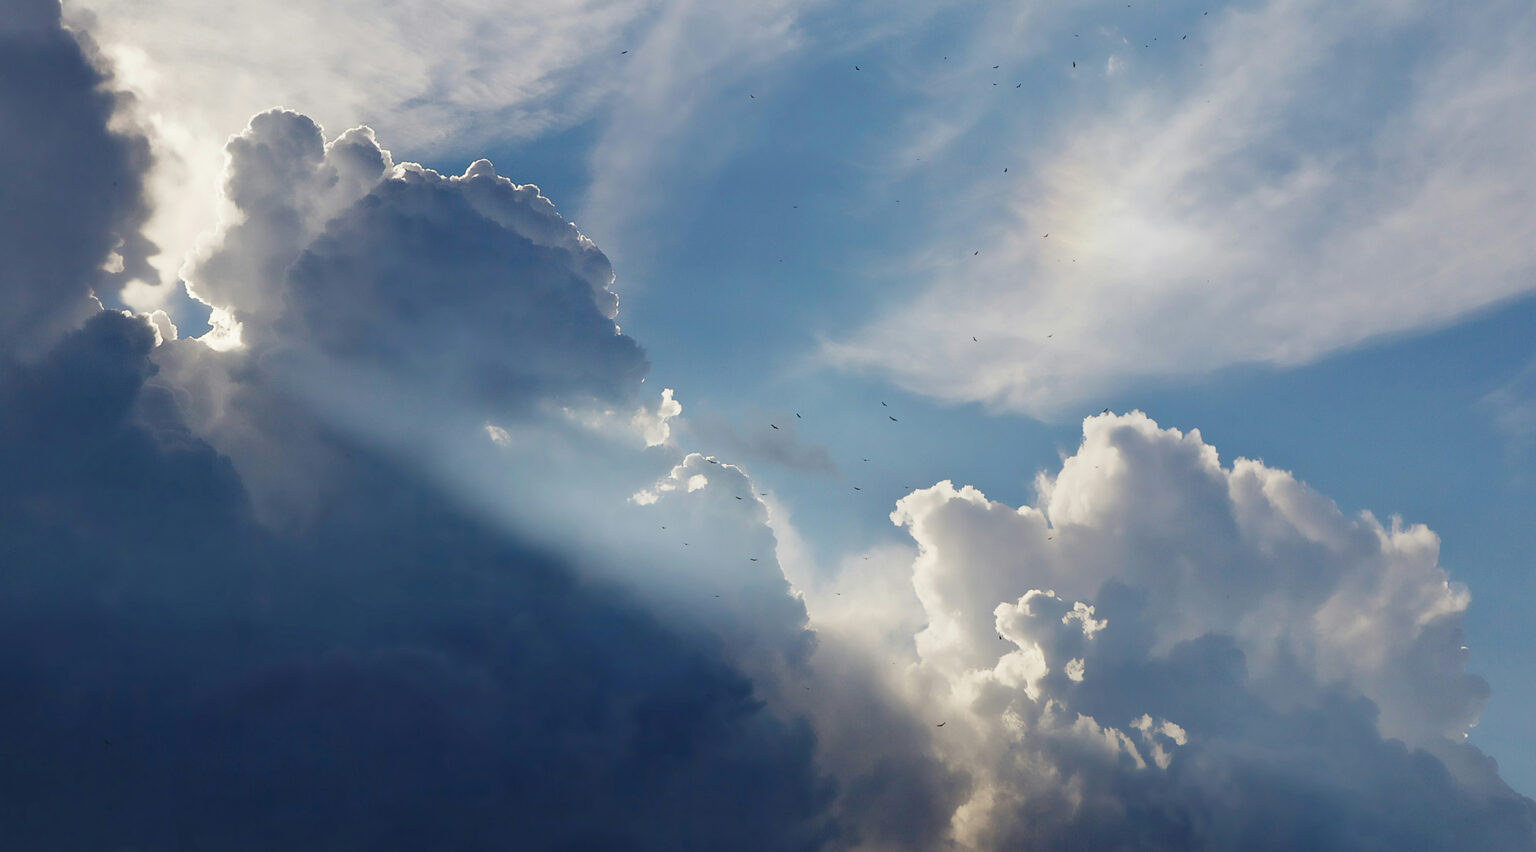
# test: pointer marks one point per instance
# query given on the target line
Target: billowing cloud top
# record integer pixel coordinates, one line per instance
(472, 280)
(1166, 653)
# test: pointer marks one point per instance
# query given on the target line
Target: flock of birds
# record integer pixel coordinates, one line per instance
(892, 418)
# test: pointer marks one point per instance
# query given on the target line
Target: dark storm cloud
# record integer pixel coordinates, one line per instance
(390, 673)
(393, 676)
(71, 192)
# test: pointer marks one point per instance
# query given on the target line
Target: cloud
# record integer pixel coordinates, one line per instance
(690, 55)
(655, 427)
(72, 204)
(1169, 653)
(1512, 405)
(1291, 194)
(472, 280)
(395, 675)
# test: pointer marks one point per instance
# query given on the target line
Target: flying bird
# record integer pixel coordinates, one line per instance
(893, 420)
(797, 415)
(857, 68)
(857, 488)
(939, 725)
(770, 424)
(1105, 411)
(994, 67)
(882, 402)
(1005, 170)
(974, 340)
(622, 52)
(754, 558)
(1074, 65)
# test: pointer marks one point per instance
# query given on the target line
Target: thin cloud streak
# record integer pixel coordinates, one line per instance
(1239, 219)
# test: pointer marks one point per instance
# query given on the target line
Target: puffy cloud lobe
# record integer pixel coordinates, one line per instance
(1167, 653)
(472, 282)
(72, 195)
(722, 567)
(654, 427)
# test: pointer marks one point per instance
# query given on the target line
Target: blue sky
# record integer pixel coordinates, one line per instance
(877, 257)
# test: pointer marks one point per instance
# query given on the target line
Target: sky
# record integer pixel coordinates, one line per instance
(774, 425)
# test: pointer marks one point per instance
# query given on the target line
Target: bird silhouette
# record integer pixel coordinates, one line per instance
(893, 420)
(770, 424)
(939, 725)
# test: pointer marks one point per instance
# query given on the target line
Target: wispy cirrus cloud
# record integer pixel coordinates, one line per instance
(1289, 195)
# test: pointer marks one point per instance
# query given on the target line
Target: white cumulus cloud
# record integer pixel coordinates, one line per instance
(1169, 652)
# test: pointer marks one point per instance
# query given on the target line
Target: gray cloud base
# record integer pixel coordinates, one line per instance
(72, 188)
